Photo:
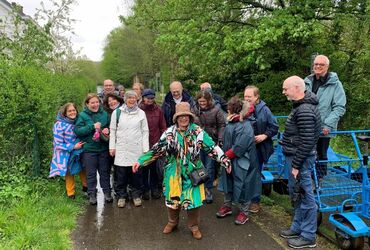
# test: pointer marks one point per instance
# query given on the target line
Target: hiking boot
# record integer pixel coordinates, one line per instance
(146, 195)
(254, 208)
(137, 202)
(289, 234)
(169, 228)
(241, 219)
(224, 211)
(92, 199)
(108, 197)
(156, 194)
(301, 242)
(209, 196)
(196, 234)
(121, 203)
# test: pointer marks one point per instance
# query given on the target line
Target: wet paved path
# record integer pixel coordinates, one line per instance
(106, 226)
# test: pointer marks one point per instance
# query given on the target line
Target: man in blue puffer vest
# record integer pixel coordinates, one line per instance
(332, 102)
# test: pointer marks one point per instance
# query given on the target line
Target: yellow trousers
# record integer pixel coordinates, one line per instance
(70, 182)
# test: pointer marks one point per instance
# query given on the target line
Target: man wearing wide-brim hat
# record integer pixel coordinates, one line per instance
(181, 143)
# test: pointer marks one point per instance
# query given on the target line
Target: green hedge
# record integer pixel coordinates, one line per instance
(30, 98)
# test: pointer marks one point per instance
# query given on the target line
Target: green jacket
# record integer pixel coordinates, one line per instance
(332, 100)
(84, 129)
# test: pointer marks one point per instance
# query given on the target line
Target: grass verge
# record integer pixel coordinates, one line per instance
(43, 219)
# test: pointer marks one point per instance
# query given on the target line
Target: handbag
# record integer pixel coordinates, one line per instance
(198, 176)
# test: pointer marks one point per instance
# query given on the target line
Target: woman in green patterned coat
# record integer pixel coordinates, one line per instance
(181, 143)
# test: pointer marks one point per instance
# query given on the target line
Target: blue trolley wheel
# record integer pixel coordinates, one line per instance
(266, 189)
(346, 242)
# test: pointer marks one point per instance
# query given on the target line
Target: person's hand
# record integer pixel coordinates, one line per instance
(105, 131)
(325, 131)
(295, 172)
(78, 145)
(260, 138)
(135, 167)
(97, 125)
(228, 169)
(112, 152)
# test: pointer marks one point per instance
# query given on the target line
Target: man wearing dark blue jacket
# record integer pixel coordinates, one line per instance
(302, 130)
(176, 95)
(264, 128)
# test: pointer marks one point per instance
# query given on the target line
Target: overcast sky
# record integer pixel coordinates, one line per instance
(96, 19)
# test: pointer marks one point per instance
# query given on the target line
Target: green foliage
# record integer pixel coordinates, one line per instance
(130, 51)
(234, 43)
(37, 223)
(30, 99)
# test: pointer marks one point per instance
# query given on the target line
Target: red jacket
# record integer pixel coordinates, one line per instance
(156, 122)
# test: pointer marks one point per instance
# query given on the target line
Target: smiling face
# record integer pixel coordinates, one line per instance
(112, 103)
(71, 112)
(131, 101)
(148, 101)
(108, 86)
(250, 97)
(183, 122)
(203, 103)
(93, 104)
(321, 66)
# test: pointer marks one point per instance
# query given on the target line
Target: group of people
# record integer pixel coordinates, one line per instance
(137, 137)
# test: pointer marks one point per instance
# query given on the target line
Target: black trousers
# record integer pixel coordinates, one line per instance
(125, 176)
(322, 154)
(150, 177)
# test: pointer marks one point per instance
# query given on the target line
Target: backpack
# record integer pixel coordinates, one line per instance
(118, 114)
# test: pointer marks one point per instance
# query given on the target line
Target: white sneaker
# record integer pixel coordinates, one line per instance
(121, 203)
(137, 202)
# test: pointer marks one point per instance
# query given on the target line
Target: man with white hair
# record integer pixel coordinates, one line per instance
(219, 101)
(302, 130)
(176, 95)
(332, 105)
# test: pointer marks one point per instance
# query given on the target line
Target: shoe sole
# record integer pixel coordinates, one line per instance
(289, 236)
(254, 211)
(305, 246)
(224, 215)
(241, 223)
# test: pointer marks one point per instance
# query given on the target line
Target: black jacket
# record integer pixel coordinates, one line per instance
(302, 129)
(169, 106)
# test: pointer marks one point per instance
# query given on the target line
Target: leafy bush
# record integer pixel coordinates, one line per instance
(30, 99)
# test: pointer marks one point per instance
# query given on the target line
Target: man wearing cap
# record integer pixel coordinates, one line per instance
(176, 95)
(157, 125)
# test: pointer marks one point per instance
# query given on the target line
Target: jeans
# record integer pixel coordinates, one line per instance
(257, 199)
(305, 213)
(150, 177)
(97, 161)
(322, 154)
(125, 176)
(209, 164)
(243, 207)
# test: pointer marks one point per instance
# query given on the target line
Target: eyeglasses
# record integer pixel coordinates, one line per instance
(320, 64)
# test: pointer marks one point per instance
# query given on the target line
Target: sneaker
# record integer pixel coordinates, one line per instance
(241, 219)
(92, 199)
(224, 211)
(289, 234)
(121, 203)
(108, 197)
(254, 208)
(137, 202)
(156, 194)
(146, 195)
(209, 196)
(301, 242)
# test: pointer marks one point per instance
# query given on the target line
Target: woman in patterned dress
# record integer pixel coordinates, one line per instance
(181, 143)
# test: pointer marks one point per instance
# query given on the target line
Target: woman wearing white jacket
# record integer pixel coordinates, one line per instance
(129, 138)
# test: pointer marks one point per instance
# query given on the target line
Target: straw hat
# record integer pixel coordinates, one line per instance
(183, 108)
